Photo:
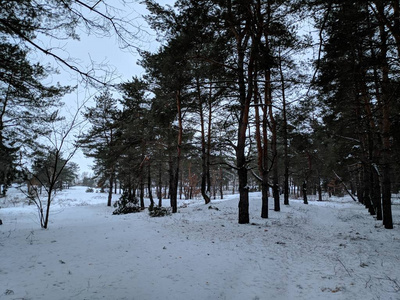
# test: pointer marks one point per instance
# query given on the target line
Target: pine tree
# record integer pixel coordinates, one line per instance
(358, 82)
(168, 70)
(101, 139)
(137, 138)
(26, 107)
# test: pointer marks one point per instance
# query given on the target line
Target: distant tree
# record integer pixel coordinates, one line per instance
(87, 180)
(69, 175)
(100, 141)
(46, 163)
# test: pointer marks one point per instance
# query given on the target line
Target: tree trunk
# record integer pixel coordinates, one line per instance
(160, 187)
(180, 183)
(149, 185)
(376, 194)
(387, 195)
(385, 129)
(241, 161)
(45, 220)
(285, 138)
(264, 196)
(221, 192)
(275, 189)
(141, 186)
(262, 146)
(319, 190)
(367, 190)
(275, 174)
(176, 165)
(208, 154)
(206, 196)
(111, 183)
(386, 167)
(173, 184)
(304, 190)
(243, 205)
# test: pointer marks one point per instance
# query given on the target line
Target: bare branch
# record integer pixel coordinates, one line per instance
(47, 52)
(96, 4)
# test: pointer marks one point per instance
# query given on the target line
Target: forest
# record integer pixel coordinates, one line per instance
(289, 98)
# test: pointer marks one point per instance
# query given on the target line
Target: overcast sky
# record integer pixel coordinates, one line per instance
(100, 50)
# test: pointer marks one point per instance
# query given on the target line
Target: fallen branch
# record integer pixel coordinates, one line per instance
(338, 259)
(397, 287)
(344, 185)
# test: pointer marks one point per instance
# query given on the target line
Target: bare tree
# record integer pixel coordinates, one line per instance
(62, 149)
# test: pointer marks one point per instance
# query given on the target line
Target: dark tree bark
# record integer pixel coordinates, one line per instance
(221, 185)
(375, 193)
(175, 164)
(262, 146)
(275, 174)
(367, 190)
(304, 190)
(262, 29)
(285, 139)
(159, 187)
(245, 88)
(204, 167)
(111, 183)
(173, 186)
(241, 160)
(385, 126)
(149, 187)
(319, 189)
(141, 185)
(208, 154)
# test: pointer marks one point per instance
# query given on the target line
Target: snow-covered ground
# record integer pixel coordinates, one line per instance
(325, 250)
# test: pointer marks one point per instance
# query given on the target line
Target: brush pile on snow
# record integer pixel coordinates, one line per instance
(126, 205)
(159, 211)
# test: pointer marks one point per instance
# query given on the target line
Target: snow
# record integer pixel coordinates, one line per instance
(324, 250)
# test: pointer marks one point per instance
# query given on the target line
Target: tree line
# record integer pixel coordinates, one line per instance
(232, 88)
(300, 93)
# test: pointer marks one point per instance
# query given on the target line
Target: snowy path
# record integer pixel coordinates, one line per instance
(325, 250)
